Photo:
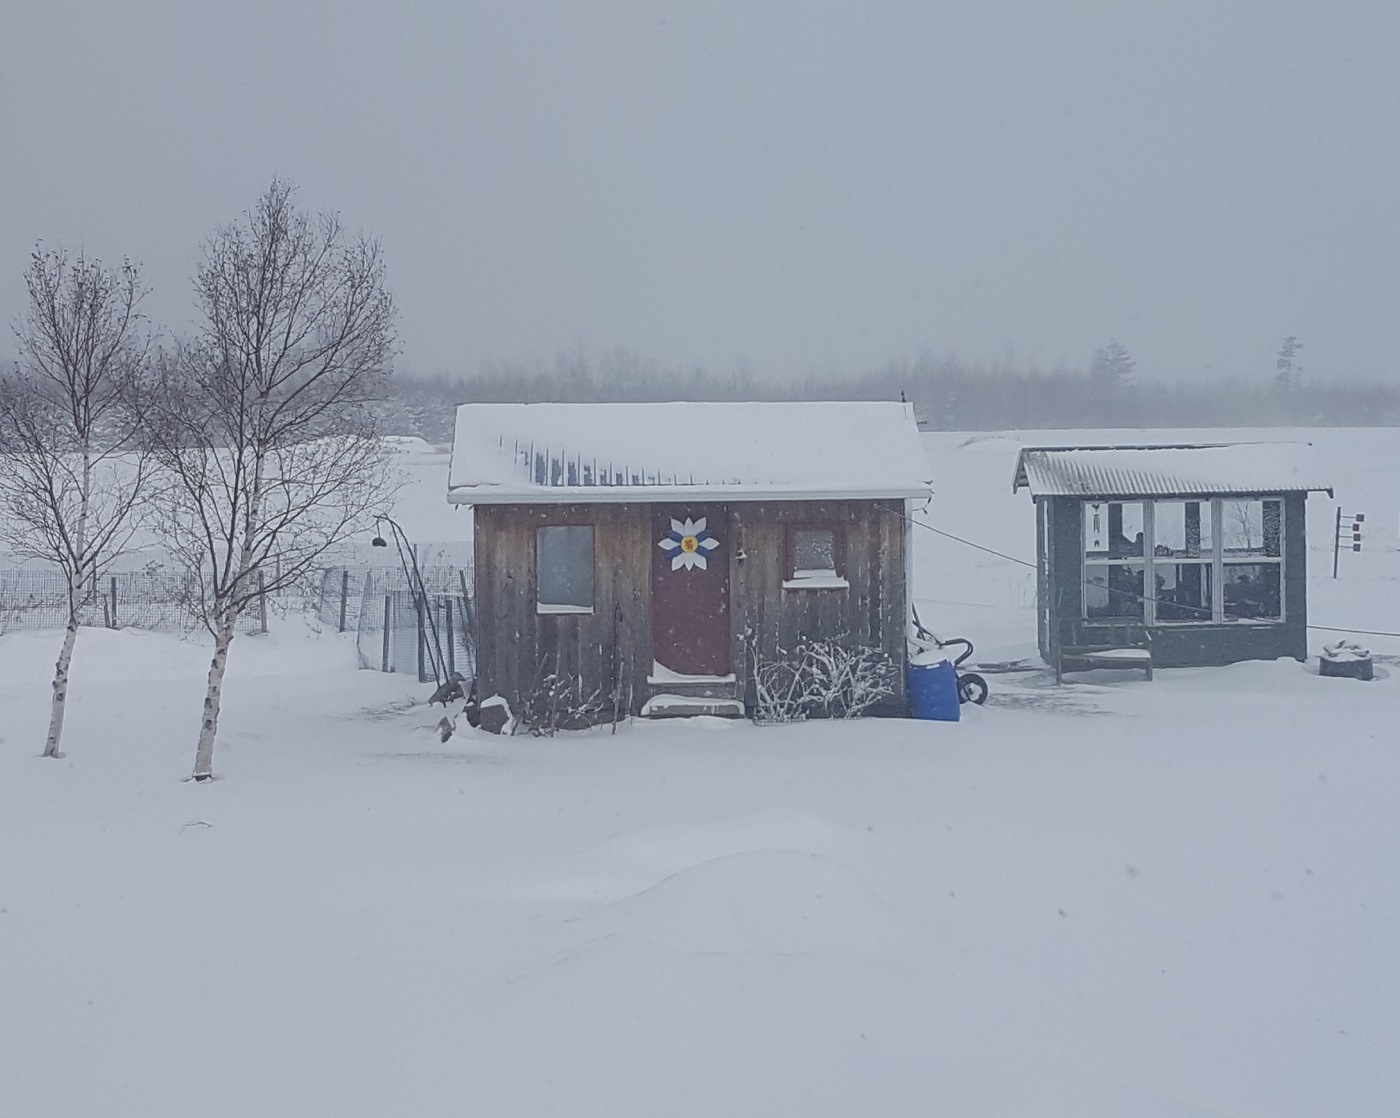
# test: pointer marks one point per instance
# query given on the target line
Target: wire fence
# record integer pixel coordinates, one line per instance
(396, 628)
(158, 601)
(399, 626)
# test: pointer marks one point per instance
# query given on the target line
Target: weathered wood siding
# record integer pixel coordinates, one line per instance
(517, 646)
(871, 612)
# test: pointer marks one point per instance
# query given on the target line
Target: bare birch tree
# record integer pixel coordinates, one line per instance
(74, 473)
(262, 425)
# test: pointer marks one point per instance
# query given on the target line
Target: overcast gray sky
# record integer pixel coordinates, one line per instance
(793, 186)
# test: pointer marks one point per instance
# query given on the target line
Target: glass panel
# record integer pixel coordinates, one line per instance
(1096, 529)
(564, 566)
(1252, 527)
(1253, 590)
(814, 551)
(1113, 590)
(1112, 529)
(1183, 591)
(1181, 528)
(1273, 528)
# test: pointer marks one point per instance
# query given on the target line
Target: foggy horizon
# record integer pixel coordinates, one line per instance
(785, 191)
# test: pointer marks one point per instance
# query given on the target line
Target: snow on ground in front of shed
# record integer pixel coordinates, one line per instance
(1168, 899)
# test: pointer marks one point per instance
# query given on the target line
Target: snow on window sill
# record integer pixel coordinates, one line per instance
(549, 608)
(815, 580)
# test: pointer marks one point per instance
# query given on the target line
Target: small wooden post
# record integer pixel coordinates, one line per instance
(388, 629)
(113, 623)
(344, 593)
(262, 604)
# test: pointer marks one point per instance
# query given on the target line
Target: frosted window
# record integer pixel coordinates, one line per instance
(813, 551)
(564, 568)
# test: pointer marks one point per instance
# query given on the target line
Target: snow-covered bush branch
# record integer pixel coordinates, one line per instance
(819, 679)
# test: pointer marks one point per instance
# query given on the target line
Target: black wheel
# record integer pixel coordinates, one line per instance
(972, 688)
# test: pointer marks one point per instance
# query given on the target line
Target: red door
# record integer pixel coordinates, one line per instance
(690, 589)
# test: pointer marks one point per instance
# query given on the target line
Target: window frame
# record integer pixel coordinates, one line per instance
(1110, 560)
(1246, 560)
(1217, 562)
(567, 609)
(834, 581)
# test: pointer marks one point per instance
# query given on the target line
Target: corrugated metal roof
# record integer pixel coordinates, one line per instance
(1168, 471)
(563, 453)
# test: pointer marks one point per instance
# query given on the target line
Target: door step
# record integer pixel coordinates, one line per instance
(691, 706)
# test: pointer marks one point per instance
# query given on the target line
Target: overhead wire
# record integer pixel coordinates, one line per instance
(1125, 593)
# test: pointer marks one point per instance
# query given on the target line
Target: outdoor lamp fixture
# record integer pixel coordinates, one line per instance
(408, 561)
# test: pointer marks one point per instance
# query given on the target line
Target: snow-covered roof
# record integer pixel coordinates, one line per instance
(1168, 471)
(564, 453)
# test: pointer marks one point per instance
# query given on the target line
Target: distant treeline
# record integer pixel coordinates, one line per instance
(948, 394)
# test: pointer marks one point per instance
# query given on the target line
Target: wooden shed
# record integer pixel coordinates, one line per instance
(653, 551)
(1197, 553)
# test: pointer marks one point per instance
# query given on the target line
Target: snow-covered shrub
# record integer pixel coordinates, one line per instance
(558, 702)
(820, 679)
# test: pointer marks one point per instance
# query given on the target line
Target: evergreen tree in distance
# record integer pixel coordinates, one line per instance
(1112, 366)
(1288, 372)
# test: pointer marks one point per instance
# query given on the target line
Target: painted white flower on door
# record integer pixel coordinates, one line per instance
(687, 542)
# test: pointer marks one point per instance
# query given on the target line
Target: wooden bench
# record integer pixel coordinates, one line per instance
(1123, 649)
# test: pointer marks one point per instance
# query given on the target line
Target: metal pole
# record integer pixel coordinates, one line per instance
(451, 638)
(1337, 541)
(388, 621)
(344, 591)
(262, 604)
(418, 609)
(114, 601)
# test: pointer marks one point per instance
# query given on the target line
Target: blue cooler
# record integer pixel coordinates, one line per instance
(933, 688)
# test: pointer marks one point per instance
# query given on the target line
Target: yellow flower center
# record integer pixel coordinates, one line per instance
(690, 543)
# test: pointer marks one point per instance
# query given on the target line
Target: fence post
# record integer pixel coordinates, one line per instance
(344, 590)
(262, 604)
(388, 628)
(418, 609)
(113, 624)
(451, 637)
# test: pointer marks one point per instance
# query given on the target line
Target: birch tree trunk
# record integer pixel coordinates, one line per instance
(213, 696)
(60, 684)
(77, 588)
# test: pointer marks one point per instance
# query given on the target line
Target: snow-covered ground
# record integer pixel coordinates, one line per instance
(1168, 900)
